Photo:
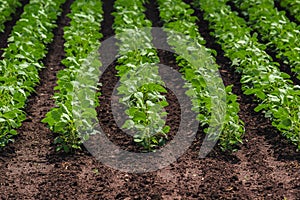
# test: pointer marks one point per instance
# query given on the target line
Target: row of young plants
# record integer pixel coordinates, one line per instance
(22, 60)
(200, 71)
(278, 98)
(7, 8)
(275, 29)
(68, 119)
(141, 87)
(293, 6)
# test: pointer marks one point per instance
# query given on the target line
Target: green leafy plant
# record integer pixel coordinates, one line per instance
(275, 29)
(278, 98)
(178, 18)
(21, 62)
(141, 87)
(293, 6)
(7, 8)
(82, 40)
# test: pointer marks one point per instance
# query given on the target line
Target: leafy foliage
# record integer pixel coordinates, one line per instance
(177, 16)
(293, 6)
(22, 61)
(82, 40)
(141, 86)
(7, 8)
(278, 97)
(276, 29)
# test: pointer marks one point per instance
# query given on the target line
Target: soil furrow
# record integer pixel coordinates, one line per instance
(109, 80)
(106, 25)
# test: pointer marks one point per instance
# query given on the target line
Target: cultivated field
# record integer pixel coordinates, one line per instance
(46, 47)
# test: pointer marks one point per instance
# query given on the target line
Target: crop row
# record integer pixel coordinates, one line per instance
(82, 41)
(278, 98)
(22, 61)
(7, 8)
(141, 86)
(201, 74)
(275, 29)
(293, 6)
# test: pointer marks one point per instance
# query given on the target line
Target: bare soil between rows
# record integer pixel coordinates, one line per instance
(266, 166)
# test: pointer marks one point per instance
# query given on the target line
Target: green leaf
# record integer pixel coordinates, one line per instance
(166, 129)
(164, 103)
(13, 132)
(128, 124)
(139, 116)
(260, 107)
(138, 140)
(260, 94)
(56, 115)
(286, 123)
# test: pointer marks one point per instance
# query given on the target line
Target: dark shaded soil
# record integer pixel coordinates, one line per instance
(265, 167)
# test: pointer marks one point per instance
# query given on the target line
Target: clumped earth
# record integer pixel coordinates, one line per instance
(266, 166)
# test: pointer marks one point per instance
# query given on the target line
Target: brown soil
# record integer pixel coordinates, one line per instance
(265, 167)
